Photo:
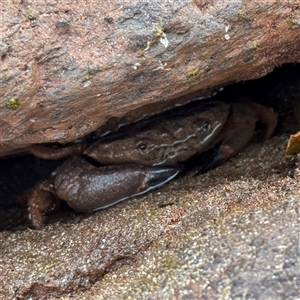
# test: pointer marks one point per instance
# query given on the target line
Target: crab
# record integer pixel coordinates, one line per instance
(143, 156)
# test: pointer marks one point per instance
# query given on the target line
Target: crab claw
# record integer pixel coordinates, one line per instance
(156, 177)
(87, 188)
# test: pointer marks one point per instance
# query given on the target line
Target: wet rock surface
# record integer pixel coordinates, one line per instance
(246, 250)
(233, 232)
(66, 67)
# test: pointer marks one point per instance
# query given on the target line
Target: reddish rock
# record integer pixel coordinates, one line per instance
(67, 68)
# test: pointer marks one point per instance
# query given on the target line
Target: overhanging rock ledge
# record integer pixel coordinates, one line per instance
(67, 68)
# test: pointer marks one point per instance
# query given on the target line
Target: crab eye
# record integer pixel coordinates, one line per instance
(142, 146)
(205, 125)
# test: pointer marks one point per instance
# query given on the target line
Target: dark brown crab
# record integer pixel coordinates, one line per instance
(139, 157)
(178, 137)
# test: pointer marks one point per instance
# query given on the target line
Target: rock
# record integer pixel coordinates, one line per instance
(232, 231)
(67, 68)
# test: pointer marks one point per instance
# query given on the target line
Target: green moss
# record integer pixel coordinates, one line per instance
(241, 16)
(292, 23)
(30, 14)
(160, 31)
(158, 36)
(193, 73)
(13, 103)
(256, 45)
(88, 76)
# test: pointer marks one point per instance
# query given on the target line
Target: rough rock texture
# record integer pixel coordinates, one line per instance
(232, 233)
(245, 253)
(66, 68)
